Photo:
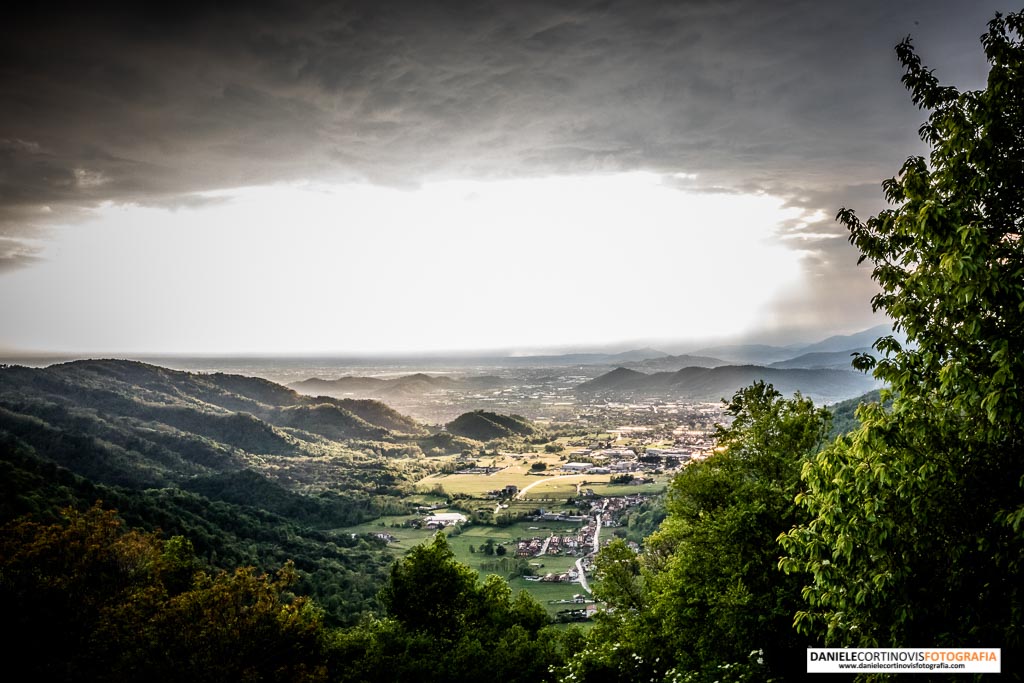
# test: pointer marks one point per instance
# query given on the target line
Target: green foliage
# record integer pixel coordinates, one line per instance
(325, 510)
(706, 592)
(916, 534)
(443, 625)
(445, 443)
(343, 573)
(331, 421)
(166, 450)
(428, 590)
(844, 413)
(640, 522)
(380, 415)
(122, 605)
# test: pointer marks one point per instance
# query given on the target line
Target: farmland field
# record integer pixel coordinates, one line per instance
(476, 536)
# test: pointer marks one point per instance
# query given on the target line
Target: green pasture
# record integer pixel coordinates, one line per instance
(476, 536)
(544, 593)
(564, 486)
(517, 472)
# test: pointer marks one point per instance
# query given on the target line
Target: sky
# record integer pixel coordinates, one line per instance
(394, 177)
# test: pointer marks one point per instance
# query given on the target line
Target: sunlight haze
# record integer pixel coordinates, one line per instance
(574, 260)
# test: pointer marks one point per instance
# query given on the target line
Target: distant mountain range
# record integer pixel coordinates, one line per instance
(713, 384)
(820, 360)
(674, 363)
(791, 356)
(822, 370)
(418, 384)
(763, 354)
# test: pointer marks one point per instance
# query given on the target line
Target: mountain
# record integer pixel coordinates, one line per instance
(674, 363)
(766, 354)
(482, 425)
(637, 355)
(617, 379)
(712, 384)
(340, 386)
(570, 359)
(414, 385)
(859, 340)
(835, 360)
(748, 353)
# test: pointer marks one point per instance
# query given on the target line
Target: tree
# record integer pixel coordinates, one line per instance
(917, 522)
(88, 599)
(706, 591)
(444, 625)
(428, 590)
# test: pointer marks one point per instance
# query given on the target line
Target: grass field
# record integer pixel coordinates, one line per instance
(476, 536)
(611, 490)
(516, 472)
(544, 593)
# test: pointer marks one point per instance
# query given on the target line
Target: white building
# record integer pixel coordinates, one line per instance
(445, 519)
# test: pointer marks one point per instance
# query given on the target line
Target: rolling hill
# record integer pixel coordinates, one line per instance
(129, 423)
(252, 473)
(482, 425)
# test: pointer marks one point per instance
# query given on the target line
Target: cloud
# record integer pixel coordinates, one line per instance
(16, 254)
(158, 104)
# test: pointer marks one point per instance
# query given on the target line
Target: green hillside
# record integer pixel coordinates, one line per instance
(250, 471)
(844, 413)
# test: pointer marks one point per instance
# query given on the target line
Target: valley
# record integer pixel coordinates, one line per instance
(521, 450)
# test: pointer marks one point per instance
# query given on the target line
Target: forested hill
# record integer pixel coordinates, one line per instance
(152, 392)
(139, 425)
(482, 425)
(251, 472)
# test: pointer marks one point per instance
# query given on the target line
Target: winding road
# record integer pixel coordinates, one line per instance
(597, 532)
(579, 562)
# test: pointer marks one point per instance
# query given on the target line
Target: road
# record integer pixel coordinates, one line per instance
(582, 575)
(579, 562)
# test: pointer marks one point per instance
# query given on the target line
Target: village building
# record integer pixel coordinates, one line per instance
(444, 519)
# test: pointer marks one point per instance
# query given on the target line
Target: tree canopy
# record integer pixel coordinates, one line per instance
(89, 599)
(442, 624)
(706, 593)
(916, 534)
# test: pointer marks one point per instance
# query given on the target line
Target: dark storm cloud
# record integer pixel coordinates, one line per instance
(155, 105)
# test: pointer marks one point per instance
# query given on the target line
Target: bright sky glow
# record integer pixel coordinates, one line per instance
(509, 265)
